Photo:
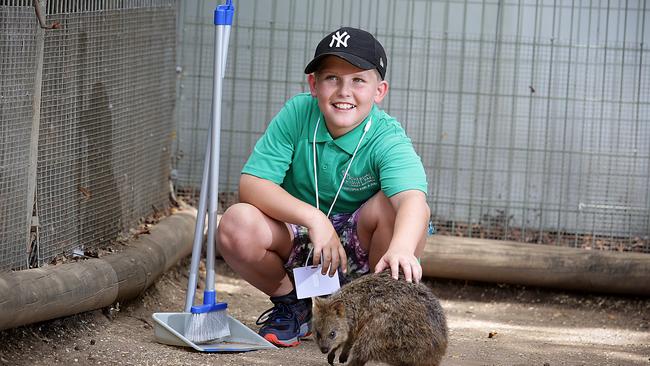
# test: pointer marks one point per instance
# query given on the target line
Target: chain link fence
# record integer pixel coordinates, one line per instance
(531, 117)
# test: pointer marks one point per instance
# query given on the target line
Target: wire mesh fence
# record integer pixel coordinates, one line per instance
(531, 117)
(17, 65)
(105, 127)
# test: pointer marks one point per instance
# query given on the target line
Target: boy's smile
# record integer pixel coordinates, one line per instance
(345, 93)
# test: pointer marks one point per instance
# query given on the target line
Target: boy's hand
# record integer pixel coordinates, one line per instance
(327, 245)
(395, 260)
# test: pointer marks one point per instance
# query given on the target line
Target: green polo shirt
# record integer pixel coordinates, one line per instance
(385, 160)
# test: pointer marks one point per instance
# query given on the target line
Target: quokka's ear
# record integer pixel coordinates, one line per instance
(319, 302)
(338, 307)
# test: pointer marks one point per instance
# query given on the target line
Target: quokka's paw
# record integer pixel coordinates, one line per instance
(331, 356)
(343, 358)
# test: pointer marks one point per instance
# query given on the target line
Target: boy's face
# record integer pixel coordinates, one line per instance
(345, 93)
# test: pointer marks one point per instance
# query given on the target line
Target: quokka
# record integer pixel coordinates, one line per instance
(378, 318)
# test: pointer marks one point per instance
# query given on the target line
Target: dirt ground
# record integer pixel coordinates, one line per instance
(529, 326)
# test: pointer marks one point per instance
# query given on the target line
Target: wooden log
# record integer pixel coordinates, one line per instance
(509, 262)
(50, 292)
(141, 265)
(34, 295)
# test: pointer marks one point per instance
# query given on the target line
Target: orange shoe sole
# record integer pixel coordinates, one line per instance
(273, 339)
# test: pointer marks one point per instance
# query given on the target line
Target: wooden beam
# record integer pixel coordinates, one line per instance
(537, 265)
(50, 292)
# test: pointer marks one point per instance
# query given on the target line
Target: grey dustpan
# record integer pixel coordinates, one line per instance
(169, 329)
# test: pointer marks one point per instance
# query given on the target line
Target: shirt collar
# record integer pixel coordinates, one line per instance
(322, 135)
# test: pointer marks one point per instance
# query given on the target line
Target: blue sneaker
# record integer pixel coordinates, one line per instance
(286, 322)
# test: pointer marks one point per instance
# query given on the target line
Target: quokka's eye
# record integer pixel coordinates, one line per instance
(332, 334)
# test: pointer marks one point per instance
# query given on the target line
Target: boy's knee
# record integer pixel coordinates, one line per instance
(378, 210)
(235, 225)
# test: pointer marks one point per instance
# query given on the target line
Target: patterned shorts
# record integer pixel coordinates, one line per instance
(345, 225)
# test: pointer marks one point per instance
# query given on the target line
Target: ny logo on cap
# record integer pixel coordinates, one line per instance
(340, 39)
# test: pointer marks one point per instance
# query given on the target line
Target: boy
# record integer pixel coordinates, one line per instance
(333, 170)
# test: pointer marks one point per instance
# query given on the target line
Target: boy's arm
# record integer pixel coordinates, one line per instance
(411, 223)
(277, 203)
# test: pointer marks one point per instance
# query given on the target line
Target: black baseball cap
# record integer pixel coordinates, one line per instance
(355, 46)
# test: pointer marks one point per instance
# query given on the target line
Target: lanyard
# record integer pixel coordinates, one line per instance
(365, 130)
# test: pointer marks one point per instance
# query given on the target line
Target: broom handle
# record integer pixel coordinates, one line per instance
(222, 33)
(198, 230)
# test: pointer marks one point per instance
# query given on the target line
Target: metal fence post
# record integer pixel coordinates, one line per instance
(32, 215)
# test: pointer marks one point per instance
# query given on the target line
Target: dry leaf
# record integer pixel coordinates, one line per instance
(85, 192)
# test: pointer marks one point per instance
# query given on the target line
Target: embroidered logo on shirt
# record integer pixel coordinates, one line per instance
(340, 39)
(361, 183)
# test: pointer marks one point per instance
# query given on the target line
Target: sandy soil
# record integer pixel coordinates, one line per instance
(529, 326)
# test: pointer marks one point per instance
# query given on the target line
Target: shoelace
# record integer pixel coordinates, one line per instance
(279, 311)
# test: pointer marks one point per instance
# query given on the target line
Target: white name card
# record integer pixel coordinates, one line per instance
(310, 282)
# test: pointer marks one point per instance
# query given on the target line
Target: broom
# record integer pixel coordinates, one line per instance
(209, 321)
